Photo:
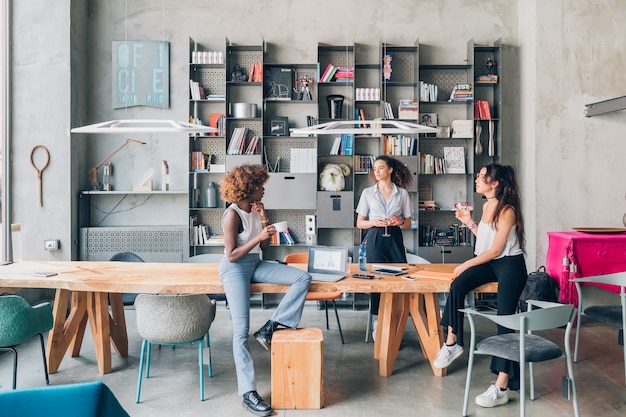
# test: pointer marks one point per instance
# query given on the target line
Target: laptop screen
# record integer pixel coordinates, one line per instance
(328, 259)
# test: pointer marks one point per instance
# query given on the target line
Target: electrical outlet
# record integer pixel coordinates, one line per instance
(51, 244)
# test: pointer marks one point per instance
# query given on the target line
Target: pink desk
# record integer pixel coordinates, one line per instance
(593, 254)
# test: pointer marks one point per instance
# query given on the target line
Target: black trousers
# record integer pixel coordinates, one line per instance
(510, 273)
(381, 249)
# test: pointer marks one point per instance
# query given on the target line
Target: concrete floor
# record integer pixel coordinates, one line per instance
(352, 386)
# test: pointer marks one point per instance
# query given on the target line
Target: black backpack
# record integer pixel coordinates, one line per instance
(539, 286)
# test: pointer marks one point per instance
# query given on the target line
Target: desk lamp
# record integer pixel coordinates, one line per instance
(93, 172)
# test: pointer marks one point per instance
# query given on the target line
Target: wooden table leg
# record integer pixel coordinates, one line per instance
(424, 309)
(392, 317)
(119, 335)
(68, 330)
(65, 327)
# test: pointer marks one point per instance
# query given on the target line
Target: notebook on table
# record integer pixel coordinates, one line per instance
(328, 263)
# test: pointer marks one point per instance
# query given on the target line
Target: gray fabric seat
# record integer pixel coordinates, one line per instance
(524, 347)
(174, 320)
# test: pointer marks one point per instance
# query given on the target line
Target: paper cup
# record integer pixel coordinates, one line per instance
(280, 227)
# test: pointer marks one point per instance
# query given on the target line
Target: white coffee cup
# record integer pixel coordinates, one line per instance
(280, 227)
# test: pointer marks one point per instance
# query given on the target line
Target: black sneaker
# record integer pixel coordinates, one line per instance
(253, 402)
(264, 334)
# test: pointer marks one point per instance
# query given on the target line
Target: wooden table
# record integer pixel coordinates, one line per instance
(89, 288)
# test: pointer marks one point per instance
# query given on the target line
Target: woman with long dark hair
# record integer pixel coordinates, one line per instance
(499, 251)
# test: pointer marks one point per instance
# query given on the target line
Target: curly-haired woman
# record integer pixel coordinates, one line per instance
(246, 234)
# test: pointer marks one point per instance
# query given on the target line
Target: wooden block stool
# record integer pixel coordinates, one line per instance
(298, 369)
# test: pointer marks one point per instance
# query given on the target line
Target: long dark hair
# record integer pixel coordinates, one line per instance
(508, 195)
(401, 175)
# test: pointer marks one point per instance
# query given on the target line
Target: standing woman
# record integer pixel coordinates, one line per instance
(384, 209)
(246, 233)
(499, 251)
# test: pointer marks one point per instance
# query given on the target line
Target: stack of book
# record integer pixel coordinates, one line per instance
(399, 145)
(197, 91)
(328, 73)
(343, 145)
(428, 92)
(388, 111)
(481, 110)
(430, 164)
(462, 92)
(237, 145)
(487, 79)
(286, 238)
(408, 109)
(344, 74)
(363, 163)
(256, 73)
(200, 161)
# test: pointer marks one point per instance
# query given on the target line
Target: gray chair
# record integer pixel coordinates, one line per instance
(613, 315)
(524, 346)
(173, 320)
(127, 298)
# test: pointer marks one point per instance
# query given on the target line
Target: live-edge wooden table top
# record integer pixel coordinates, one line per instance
(179, 278)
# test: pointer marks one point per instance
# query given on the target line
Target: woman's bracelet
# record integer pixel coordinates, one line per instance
(473, 225)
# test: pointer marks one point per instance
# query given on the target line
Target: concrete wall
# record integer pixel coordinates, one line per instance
(561, 57)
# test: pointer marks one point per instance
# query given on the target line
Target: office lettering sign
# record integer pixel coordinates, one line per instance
(140, 74)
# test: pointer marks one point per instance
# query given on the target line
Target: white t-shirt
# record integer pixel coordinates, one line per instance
(251, 223)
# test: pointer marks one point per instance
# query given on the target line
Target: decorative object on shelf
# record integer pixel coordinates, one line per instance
(93, 172)
(243, 110)
(278, 126)
(332, 177)
(490, 64)
(165, 176)
(210, 195)
(237, 74)
(478, 148)
(278, 83)
(387, 69)
(363, 127)
(492, 147)
(40, 170)
(305, 90)
(335, 105)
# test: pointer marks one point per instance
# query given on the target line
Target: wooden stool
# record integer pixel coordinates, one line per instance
(298, 369)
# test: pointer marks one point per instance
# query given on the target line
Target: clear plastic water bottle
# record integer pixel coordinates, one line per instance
(362, 258)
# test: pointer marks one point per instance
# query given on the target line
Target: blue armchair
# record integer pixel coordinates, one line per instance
(91, 399)
(19, 322)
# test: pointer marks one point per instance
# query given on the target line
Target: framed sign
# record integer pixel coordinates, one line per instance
(278, 126)
(140, 74)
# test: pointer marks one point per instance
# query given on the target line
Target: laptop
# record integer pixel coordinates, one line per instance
(327, 263)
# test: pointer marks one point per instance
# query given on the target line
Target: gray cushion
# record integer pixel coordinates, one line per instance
(506, 346)
(611, 315)
(173, 318)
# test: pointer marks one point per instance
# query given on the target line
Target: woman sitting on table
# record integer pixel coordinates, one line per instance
(246, 234)
(384, 209)
(499, 251)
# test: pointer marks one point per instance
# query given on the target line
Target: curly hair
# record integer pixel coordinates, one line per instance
(240, 182)
(401, 175)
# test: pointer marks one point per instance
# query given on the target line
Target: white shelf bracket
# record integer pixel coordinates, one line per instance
(606, 106)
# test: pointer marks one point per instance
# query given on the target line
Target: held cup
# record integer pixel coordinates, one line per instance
(280, 227)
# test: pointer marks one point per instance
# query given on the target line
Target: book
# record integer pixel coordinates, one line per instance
(329, 67)
(454, 159)
(278, 84)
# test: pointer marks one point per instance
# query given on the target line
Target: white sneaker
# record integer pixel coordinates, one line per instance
(447, 355)
(374, 326)
(493, 397)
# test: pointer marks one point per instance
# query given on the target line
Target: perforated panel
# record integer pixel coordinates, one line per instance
(445, 80)
(152, 244)
(403, 65)
(215, 146)
(212, 79)
(281, 147)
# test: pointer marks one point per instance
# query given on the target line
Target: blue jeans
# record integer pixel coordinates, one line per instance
(236, 278)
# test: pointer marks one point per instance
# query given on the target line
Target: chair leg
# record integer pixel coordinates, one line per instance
(326, 312)
(470, 366)
(12, 350)
(531, 377)
(201, 363)
(578, 314)
(369, 321)
(570, 370)
(144, 347)
(338, 323)
(208, 346)
(43, 355)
